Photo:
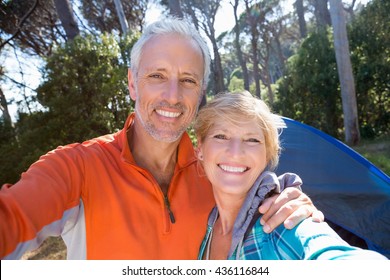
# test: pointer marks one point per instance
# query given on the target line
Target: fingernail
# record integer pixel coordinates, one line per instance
(262, 222)
(266, 228)
(288, 224)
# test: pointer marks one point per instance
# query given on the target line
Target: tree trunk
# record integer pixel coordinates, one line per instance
(301, 18)
(347, 84)
(255, 58)
(68, 21)
(267, 83)
(4, 109)
(238, 48)
(121, 16)
(350, 10)
(218, 72)
(322, 13)
(203, 16)
(175, 8)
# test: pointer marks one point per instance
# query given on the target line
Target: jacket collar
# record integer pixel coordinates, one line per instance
(186, 153)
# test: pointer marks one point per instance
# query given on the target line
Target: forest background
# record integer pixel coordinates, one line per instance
(324, 63)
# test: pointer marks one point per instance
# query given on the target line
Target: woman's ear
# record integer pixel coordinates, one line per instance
(198, 150)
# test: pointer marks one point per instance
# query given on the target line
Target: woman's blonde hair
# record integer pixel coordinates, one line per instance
(239, 107)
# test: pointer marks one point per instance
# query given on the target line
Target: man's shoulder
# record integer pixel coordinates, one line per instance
(101, 140)
(91, 146)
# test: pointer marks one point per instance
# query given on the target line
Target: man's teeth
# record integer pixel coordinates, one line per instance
(233, 168)
(168, 114)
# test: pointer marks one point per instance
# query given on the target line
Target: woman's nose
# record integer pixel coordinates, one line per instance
(235, 147)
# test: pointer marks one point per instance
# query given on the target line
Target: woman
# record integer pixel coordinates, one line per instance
(237, 144)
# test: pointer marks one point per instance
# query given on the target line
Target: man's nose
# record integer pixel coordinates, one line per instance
(172, 91)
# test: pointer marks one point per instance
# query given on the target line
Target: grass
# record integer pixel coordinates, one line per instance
(377, 151)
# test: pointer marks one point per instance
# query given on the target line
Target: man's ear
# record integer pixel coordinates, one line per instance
(131, 85)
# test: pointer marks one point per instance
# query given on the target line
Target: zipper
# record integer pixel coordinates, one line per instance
(168, 206)
(171, 217)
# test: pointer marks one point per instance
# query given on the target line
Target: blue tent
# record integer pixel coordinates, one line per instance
(353, 194)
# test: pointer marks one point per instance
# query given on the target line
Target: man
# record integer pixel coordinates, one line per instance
(138, 193)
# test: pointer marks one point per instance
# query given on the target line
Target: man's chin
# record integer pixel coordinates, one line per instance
(166, 137)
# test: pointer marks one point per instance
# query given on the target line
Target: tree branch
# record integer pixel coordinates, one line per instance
(19, 26)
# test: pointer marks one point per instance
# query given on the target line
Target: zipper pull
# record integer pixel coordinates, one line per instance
(171, 217)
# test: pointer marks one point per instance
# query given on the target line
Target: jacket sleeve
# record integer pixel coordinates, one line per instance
(42, 203)
(318, 241)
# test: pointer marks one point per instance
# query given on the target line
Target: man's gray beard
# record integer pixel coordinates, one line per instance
(152, 131)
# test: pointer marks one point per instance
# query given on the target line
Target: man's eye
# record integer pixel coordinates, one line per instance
(220, 136)
(189, 81)
(155, 76)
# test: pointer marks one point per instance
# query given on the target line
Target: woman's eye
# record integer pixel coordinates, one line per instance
(253, 141)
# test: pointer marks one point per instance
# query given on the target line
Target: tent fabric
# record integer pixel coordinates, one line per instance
(353, 194)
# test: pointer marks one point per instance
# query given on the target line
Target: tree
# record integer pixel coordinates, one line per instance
(344, 67)
(261, 18)
(86, 82)
(175, 8)
(4, 105)
(19, 25)
(102, 15)
(301, 17)
(271, 54)
(10, 157)
(370, 57)
(308, 92)
(66, 15)
(237, 44)
(321, 13)
(121, 16)
(253, 12)
(33, 25)
(350, 9)
(203, 15)
(4, 109)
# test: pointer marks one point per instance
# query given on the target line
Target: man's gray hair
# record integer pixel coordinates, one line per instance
(171, 25)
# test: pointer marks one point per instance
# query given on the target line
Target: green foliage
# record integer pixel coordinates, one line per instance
(370, 49)
(102, 14)
(9, 156)
(309, 91)
(236, 84)
(84, 94)
(85, 89)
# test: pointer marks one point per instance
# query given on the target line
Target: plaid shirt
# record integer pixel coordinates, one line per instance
(307, 241)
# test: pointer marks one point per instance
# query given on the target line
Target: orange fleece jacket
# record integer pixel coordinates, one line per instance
(104, 205)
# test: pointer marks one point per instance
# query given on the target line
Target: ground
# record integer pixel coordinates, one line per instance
(52, 248)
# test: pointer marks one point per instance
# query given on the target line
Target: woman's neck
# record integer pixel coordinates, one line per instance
(228, 207)
(221, 238)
